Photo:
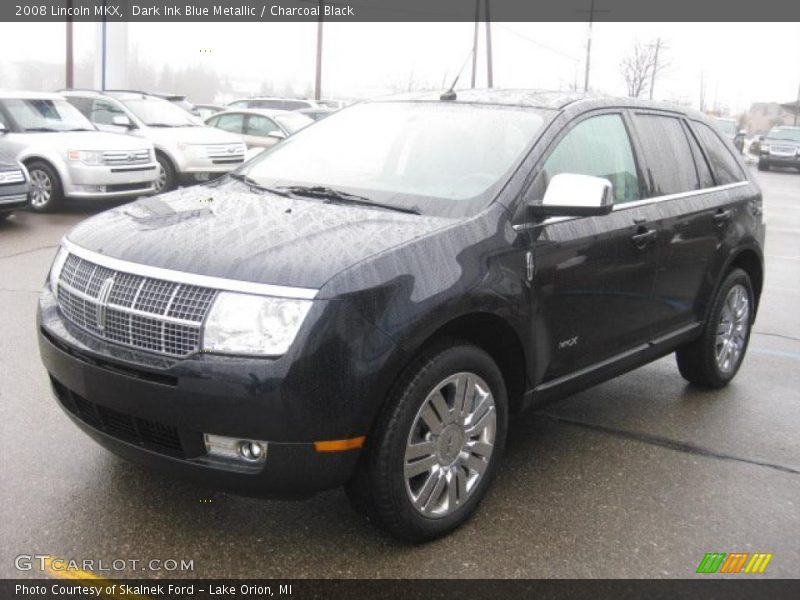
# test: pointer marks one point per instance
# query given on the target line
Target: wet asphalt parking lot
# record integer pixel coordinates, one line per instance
(637, 477)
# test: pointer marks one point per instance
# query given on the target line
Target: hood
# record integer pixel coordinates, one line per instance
(191, 135)
(81, 140)
(228, 231)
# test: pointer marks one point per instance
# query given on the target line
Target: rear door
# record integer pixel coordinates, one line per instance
(594, 276)
(682, 206)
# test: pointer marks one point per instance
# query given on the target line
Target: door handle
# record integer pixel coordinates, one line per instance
(643, 237)
(722, 216)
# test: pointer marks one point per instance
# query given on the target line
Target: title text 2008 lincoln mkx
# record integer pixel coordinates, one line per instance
(371, 301)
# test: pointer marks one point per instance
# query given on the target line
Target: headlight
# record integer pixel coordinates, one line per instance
(253, 325)
(55, 270)
(87, 157)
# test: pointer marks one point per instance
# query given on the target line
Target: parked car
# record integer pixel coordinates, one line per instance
(780, 148)
(260, 128)
(67, 157)
(13, 184)
(274, 103)
(186, 150)
(371, 303)
(206, 110)
(317, 113)
(730, 128)
(332, 104)
(178, 100)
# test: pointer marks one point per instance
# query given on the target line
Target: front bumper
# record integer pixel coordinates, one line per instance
(155, 410)
(202, 168)
(780, 160)
(84, 181)
(13, 197)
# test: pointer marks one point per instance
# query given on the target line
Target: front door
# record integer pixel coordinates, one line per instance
(595, 275)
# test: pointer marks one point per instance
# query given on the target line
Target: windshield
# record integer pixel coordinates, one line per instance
(156, 112)
(791, 135)
(440, 158)
(46, 115)
(726, 126)
(293, 122)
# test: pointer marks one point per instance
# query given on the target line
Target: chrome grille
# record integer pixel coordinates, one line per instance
(9, 177)
(126, 157)
(141, 312)
(225, 150)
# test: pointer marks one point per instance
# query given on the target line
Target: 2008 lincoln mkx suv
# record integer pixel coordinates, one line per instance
(370, 302)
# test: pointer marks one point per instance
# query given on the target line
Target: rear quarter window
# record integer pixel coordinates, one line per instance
(669, 163)
(724, 166)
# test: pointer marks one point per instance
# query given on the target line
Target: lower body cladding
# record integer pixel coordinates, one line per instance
(245, 425)
(109, 181)
(13, 201)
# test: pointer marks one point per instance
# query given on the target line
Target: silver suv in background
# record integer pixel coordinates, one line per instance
(274, 103)
(66, 156)
(187, 151)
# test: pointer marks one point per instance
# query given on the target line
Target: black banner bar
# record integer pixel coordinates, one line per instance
(399, 10)
(734, 588)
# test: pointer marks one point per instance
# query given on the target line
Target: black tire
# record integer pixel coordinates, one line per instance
(697, 360)
(170, 178)
(4, 216)
(42, 174)
(762, 166)
(378, 488)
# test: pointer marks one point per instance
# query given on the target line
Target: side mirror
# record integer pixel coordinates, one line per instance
(121, 121)
(277, 135)
(3, 129)
(572, 195)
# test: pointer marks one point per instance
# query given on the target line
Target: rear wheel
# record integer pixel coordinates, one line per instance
(436, 447)
(46, 190)
(715, 357)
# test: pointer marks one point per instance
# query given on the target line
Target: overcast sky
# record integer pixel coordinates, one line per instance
(741, 62)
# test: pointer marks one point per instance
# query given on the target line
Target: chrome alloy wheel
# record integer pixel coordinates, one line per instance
(41, 188)
(450, 444)
(161, 181)
(734, 322)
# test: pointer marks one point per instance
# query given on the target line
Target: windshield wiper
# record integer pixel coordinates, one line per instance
(161, 125)
(42, 129)
(334, 195)
(254, 185)
(80, 129)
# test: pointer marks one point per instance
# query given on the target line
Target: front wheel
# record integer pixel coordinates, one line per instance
(714, 358)
(46, 191)
(167, 179)
(763, 166)
(436, 446)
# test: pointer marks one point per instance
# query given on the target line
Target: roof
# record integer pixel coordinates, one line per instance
(267, 112)
(30, 95)
(546, 99)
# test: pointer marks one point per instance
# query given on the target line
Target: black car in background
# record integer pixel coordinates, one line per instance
(780, 148)
(13, 186)
(372, 302)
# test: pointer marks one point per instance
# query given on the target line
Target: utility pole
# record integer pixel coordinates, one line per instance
(592, 11)
(488, 47)
(797, 105)
(475, 41)
(318, 79)
(69, 76)
(655, 67)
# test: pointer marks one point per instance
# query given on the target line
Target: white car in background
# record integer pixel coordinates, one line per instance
(260, 128)
(67, 157)
(187, 151)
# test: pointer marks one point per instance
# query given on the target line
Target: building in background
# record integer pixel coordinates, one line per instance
(763, 116)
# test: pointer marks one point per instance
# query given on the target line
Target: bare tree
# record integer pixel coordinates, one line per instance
(641, 66)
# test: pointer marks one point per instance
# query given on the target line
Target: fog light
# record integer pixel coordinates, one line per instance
(237, 449)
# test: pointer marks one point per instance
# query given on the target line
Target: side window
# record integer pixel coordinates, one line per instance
(726, 169)
(598, 146)
(213, 121)
(103, 112)
(233, 122)
(669, 165)
(260, 125)
(703, 171)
